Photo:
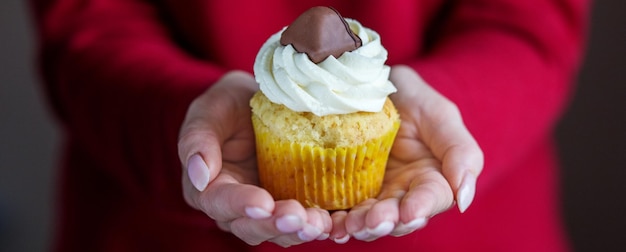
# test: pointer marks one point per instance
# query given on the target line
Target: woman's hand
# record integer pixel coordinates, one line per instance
(434, 163)
(216, 148)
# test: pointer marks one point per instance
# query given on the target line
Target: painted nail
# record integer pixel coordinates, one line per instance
(289, 224)
(406, 228)
(361, 235)
(384, 228)
(309, 232)
(467, 190)
(323, 236)
(342, 240)
(257, 213)
(198, 172)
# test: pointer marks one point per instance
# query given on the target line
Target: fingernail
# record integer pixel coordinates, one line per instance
(405, 228)
(384, 228)
(465, 195)
(309, 233)
(198, 172)
(342, 240)
(361, 235)
(323, 236)
(289, 224)
(257, 213)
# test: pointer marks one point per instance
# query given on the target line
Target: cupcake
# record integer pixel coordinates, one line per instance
(323, 122)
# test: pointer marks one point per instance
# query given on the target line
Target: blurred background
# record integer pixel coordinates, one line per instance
(591, 136)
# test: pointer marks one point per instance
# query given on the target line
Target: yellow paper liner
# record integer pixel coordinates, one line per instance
(328, 178)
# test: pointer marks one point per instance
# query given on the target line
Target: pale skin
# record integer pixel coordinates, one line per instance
(433, 165)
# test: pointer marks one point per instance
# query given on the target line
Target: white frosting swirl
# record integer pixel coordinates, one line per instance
(356, 81)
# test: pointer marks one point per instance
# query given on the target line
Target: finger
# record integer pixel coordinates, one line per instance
(281, 228)
(373, 219)
(381, 220)
(429, 194)
(201, 159)
(422, 190)
(441, 127)
(420, 204)
(355, 220)
(462, 167)
(225, 200)
(291, 224)
(462, 158)
(209, 121)
(317, 226)
(402, 229)
(339, 234)
(320, 224)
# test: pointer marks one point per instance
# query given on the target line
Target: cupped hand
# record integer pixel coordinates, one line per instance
(433, 164)
(216, 148)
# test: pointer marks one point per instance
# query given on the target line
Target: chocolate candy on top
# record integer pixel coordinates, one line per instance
(320, 32)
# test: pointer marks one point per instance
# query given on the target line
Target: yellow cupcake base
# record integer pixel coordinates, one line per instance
(328, 178)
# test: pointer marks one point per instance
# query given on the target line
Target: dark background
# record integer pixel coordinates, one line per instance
(591, 136)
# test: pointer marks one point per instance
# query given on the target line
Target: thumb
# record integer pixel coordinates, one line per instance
(199, 148)
(207, 125)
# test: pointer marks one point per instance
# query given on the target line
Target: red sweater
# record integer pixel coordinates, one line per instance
(121, 73)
